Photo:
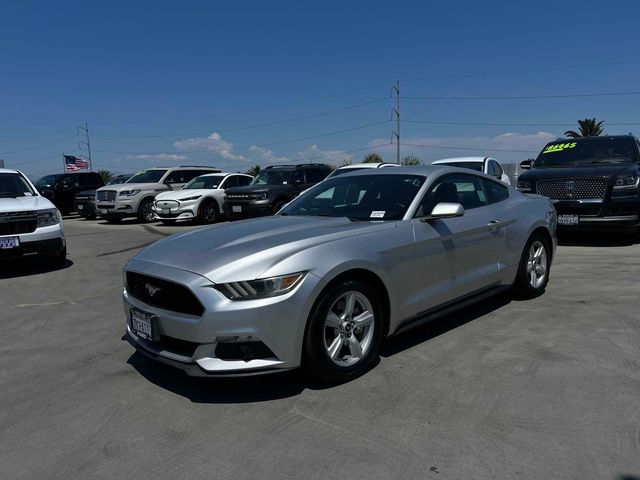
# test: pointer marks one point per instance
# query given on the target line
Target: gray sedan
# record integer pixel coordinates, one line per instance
(355, 259)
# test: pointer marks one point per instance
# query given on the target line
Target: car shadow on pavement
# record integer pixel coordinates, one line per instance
(598, 239)
(440, 325)
(29, 266)
(249, 389)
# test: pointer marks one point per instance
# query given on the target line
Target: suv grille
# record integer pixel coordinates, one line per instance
(572, 188)
(15, 223)
(167, 295)
(106, 196)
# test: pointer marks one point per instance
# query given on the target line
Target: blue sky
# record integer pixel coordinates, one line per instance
(178, 82)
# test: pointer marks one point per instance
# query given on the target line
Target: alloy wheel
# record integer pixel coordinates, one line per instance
(349, 328)
(537, 264)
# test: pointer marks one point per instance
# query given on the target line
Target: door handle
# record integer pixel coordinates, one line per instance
(493, 223)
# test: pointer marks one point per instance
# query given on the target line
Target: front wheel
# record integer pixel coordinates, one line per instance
(534, 268)
(208, 212)
(145, 211)
(344, 333)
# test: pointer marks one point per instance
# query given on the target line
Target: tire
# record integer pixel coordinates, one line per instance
(145, 211)
(534, 268)
(329, 352)
(60, 259)
(278, 205)
(208, 212)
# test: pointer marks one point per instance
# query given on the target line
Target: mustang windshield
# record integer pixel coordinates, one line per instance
(203, 182)
(359, 197)
(588, 151)
(147, 176)
(273, 177)
(13, 185)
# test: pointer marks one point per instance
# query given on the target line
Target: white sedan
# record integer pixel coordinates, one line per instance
(200, 200)
(487, 165)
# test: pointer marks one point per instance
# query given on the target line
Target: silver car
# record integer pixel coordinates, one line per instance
(354, 259)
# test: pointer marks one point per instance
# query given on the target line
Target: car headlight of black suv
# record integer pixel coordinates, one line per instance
(628, 182)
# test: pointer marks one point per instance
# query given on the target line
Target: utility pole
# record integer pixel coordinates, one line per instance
(85, 129)
(396, 112)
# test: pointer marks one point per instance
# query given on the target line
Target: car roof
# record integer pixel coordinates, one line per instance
(8, 170)
(366, 165)
(460, 160)
(222, 174)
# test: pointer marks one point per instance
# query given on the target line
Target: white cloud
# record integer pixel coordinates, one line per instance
(159, 156)
(315, 154)
(507, 147)
(268, 155)
(213, 143)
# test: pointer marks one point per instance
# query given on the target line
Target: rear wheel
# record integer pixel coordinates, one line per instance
(534, 268)
(208, 212)
(59, 259)
(145, 211)
(344, 333)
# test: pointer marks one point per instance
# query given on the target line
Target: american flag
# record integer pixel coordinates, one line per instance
(73, 164)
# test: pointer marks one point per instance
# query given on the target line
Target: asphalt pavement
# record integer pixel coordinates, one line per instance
(541, 389)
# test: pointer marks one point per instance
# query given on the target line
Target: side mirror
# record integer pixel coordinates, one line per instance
(47, 193)
(526, 165)
(445, 210)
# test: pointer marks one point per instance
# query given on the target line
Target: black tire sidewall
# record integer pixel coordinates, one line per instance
(201, 218)
(522, 287)
(141, 217)
(316, 361)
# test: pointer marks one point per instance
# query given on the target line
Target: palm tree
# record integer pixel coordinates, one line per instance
(588, 128)
(106, 175)
(410, 160)
(372, 158)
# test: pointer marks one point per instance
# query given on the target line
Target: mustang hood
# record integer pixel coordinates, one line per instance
(244, 250)
(23, 204)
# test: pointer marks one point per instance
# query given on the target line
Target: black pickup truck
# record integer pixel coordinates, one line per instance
(592, 181)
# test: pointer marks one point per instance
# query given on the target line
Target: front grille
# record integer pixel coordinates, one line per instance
(106, 196)
(166, 295)
(572, 188)
(173, 345)
(16, 223)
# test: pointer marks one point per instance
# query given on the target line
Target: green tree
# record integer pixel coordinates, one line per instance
(106, 175)
(372, 158)
(588, 128)
(253, 171)
(410, 160)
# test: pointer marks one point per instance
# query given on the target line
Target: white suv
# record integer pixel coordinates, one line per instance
(29, 223)
(487, 165)
(135, 197)
(200, 200)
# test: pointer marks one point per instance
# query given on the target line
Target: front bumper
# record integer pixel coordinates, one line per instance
(234, 209)
(45, 241)
(617, 212)
(120, 208)
(182, 212)
(86, 208)
(192, 343)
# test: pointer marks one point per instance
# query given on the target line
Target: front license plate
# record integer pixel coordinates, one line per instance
(104, 210)
(9, 242)
(141, 324)
(568, 220)
(166, 211)
(236, 209)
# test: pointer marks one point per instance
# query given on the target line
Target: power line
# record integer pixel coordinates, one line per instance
(528, 97)
(39, 146)
(254, 126)
(450, 147)
(494, 124)
(243, 147)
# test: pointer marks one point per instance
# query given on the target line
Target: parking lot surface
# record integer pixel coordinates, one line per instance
(546, 388)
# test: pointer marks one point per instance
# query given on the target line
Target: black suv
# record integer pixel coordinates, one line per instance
(273, 187)
(592, 181)
(61, 188)
(86, 200)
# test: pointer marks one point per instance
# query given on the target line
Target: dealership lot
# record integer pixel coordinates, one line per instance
(547, 388)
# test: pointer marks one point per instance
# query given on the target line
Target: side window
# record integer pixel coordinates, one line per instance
(467, 190)
(242, 180)
(87, 180)
(491, 169)
(229, 182)
(316, 175)
(66, 182)
(496, 192)
(178, 176)
(497, 168)
(191, 174)
(298, 178)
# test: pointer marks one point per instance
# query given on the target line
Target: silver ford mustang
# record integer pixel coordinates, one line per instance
(354, 259)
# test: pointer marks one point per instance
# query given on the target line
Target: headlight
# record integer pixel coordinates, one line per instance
(630, 182)
(190, 198)
(262, 196)
(524, 186)
(46, 218)
(129, 193)
(261, 288)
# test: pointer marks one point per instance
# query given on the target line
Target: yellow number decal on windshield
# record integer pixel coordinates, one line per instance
(558, 147)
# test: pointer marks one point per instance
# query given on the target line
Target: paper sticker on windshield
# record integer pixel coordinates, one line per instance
(377, 214)
(558, 147)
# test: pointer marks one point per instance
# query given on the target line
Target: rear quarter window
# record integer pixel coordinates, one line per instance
(495, 191)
